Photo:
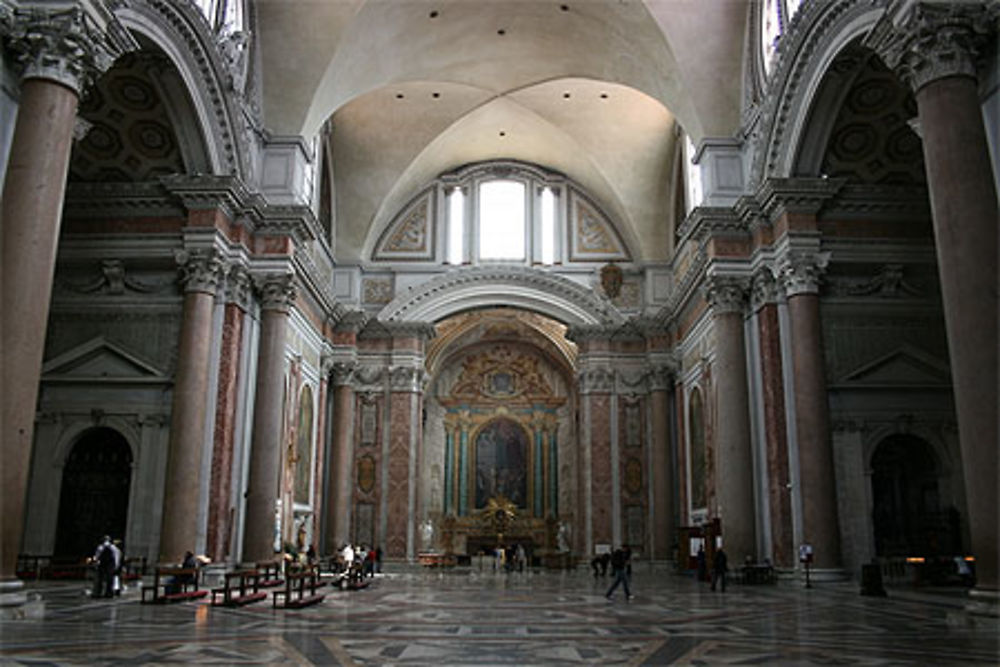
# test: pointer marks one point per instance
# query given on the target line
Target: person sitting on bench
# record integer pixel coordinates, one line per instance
(177, 584)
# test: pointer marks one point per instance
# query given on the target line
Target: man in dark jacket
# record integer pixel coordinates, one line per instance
(720, 566)
(620, 570)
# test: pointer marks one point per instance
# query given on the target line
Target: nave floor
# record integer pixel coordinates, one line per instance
(464, 617)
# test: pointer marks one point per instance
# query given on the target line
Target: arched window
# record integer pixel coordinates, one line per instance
(776, 16)
(501, 212)
(696, 440)
(225, 16)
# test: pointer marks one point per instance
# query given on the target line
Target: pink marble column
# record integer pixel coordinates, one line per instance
(733, 460)
(339, 503)
(596, 387)
(664, 527)
(202, 272)
(933, 47)
(220, 507)
(765, 296)
(404, 440)
(820, 527)
(277, 294)
(56, 52)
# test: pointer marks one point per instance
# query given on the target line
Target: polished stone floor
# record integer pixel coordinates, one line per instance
(463, 617)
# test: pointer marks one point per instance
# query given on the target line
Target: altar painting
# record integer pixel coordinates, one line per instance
(501, 462)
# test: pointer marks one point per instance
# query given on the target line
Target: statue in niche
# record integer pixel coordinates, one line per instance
(501, 462)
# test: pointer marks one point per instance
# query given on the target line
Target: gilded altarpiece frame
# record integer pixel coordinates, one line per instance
(501, 423)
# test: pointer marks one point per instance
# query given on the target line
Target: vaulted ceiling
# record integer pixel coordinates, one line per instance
(414, 88)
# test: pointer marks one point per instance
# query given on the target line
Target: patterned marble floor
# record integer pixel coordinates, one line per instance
(463, 617)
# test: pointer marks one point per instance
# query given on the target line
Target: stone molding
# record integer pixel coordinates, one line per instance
(209, 193)
(406, 379)
(726, 294)
(65, 42)
(596, 381)
(120, 200)
(801, 273)
(469, 287)
(764, 289)
(926, 41)
(796, 195)
(343, 373)
(705, 221)
(277, 291)
(239, 286)
(201, 270)
(661, 376)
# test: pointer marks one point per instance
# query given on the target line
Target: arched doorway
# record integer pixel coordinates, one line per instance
(906, 512)
(95, 491)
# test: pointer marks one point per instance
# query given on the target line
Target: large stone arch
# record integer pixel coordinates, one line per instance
(819, 33)
(515, 286)
(182, 34)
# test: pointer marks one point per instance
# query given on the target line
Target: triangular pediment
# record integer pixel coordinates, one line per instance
(906, 365)
(99, 358)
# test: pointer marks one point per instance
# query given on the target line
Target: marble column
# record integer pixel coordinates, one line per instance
(596, 390)
(339, 498)
(404, 449)
(664, 528)
(220, 500)
(733, 457)
(765, 293)
(57, 50)
(933, 47)
(800, 278)
(201, 274)
(277, 294)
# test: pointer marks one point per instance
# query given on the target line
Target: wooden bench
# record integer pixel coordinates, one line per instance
(240, 588)
(270, 572)
(300, 590)
(177, 583)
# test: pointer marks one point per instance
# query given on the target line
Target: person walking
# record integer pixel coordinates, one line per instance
(619, 569)
(720, 566)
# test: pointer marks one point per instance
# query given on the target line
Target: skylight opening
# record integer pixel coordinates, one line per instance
(501, 220)
(456, 226)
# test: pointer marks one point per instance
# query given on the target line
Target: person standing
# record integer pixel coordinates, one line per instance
(702, 573)
(104, 557)
(619, 569)
(720, 566)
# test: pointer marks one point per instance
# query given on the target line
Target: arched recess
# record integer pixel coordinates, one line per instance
(518, 287)
(820, 33)
(94, 493)
(907, 514)
(178, 29)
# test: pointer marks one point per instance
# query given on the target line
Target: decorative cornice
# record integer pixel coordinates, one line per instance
(661, 376)
(207, 192)
(421, 330)
(352, 321)
(277, 290)
(296, 221)
(125, 200)
(796, 195)
(905, 203)
(704, 221)
(726, 294)
(801, 273)
(70, 42)
(926, 41)
(582, 333)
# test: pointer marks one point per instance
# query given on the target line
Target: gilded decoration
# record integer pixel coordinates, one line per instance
(633, 476)
(366, 474)
(501, 373)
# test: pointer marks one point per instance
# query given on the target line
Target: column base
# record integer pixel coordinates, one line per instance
(16, 604)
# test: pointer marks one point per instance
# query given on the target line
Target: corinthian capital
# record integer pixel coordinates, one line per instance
(66, 41)
(764, 289)
(201, 270)
(926, 41)
(726, 294)
(801, 273)
(342, 372)
(238, 289)
(277, 291)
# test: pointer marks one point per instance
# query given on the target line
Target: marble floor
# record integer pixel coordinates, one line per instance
(468, 617)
